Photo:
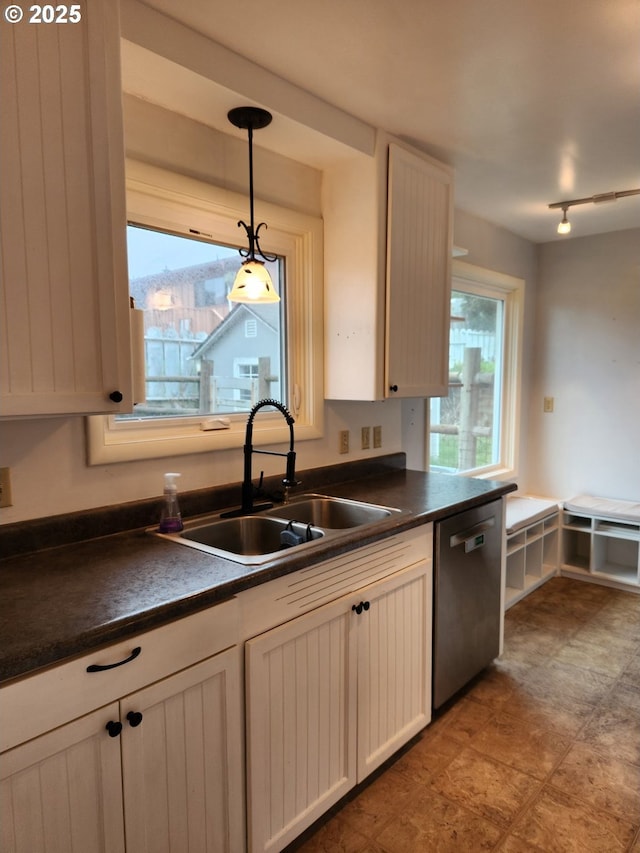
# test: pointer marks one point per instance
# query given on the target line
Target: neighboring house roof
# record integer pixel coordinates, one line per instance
(266, 315)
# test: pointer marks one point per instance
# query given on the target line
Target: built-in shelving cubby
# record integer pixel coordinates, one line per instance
(598, 546)
(532, 545)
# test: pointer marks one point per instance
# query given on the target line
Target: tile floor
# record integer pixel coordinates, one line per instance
(540, 753)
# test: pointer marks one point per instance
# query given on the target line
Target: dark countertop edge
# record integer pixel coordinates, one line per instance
(38, 657)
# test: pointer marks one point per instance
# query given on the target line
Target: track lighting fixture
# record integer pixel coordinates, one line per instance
(564, 226)
(253, 282)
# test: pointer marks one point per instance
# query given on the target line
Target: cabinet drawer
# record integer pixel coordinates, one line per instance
(47, 699)
(264, 607)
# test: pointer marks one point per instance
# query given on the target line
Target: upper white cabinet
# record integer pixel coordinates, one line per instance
(388, 240)
(65, 344)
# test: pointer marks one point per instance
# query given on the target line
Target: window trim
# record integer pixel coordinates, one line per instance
(174, 202)
(485, 282)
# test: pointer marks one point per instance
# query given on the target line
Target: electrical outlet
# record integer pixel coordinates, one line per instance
(5, 487)
(548, 405)
(377, 436)
(344, 441)
(365, 442)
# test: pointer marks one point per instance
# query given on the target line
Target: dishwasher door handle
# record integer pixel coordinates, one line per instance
(473, 537)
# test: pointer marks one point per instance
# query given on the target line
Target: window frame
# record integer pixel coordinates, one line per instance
(182, 205)
(480, 281)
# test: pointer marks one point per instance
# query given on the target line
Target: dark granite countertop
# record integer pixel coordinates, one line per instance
(63, 601)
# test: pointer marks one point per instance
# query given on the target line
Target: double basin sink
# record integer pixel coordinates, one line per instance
(255, 539)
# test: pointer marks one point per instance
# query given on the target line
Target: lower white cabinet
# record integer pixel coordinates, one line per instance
(182, 761)
(160, 770)
(331, 695)
(62, 791)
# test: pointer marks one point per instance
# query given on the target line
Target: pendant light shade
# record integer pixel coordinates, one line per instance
(253, 283)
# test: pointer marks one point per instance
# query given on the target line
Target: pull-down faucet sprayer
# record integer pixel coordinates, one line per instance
(247, 505)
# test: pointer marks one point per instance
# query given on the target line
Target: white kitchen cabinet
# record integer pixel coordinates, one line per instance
(62, 791)
(182, 763)
(167, 756)
(388, 243)
(332, 693)
(65, 340)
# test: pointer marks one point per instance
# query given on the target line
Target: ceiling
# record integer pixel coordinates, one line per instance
(532, 101)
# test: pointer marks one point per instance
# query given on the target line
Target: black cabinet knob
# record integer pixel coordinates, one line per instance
(365, 605)
(357, 608)
(116, 396)
(114, 727)
(135, 718)
(393, 387)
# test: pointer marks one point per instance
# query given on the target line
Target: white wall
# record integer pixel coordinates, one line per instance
(587, 357)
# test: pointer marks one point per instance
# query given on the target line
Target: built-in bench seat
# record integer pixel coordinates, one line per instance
(616, 510)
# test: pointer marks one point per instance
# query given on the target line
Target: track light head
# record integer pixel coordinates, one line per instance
(564, 226)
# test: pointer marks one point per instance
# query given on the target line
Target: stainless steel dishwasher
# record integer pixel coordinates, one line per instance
(467, 610)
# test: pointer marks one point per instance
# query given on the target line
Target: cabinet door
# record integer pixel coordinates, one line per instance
(62, 792)
(182, 761)
(301, 706)
(419, 242)
(394, 665)
(65, 322)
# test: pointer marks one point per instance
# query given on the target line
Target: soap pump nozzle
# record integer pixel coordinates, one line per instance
(170, 517)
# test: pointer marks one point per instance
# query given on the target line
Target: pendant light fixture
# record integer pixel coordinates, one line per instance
(253, 283)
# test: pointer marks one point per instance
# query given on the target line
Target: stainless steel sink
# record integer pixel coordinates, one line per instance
(332, 513)
(247, 539)
(255, 539)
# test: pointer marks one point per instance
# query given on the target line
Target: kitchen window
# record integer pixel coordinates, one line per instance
(207, 361)
(474, 428)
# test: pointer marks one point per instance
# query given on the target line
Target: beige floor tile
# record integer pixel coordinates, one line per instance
(465, 719)
(486, 787)
(426, 757)
(564, 717)
(560, 682)
(496, 684)
(601, 780)
(557, 823)
(615, 731)
(436, 825)
(387, 796)
(631, 672)
(618, 621)
(595, 633)
(511, 844)
(530, 749)
(336, 836)
(530, 644)
(593, 656)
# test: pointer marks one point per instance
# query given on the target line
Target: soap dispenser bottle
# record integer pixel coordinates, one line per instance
(170, 518)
